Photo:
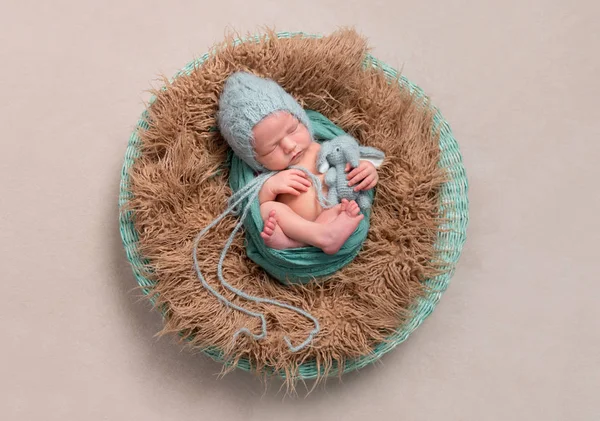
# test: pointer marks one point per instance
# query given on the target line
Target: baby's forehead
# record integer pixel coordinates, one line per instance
(273, 125)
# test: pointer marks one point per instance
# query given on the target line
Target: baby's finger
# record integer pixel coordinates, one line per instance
(356, 170)
(292, 191)
(299, 186)
(358, 177)
(301, 183)
(298, 172)
(364, 183)
(347, 167)
(304, 181)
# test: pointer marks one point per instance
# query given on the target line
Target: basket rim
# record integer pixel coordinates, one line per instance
(454, 204)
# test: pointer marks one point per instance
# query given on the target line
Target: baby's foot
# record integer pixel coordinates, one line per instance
(274, 237)
(351, 208)
(341, 228)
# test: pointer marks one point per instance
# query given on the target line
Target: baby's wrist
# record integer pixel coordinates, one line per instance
(269, 185)
(267, 192)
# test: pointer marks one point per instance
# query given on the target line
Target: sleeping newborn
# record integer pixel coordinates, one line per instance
(270, 131)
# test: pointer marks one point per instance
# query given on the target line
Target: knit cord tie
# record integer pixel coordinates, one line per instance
(251, 192)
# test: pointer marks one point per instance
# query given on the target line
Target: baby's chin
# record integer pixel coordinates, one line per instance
(274, 167)
(277, 167)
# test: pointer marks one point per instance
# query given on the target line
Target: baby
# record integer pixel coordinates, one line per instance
(269, 130)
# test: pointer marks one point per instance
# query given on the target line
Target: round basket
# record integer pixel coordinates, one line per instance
(450, 240)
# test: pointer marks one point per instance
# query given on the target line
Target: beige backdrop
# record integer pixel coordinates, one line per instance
(516, 336)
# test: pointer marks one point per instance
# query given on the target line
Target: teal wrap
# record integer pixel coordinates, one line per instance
(297, 265)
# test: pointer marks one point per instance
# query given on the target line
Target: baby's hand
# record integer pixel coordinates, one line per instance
(289, 181)
(365, 174)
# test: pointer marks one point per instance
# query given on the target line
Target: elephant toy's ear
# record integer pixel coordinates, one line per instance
(322, 167)
(373, 155)
(322, 163)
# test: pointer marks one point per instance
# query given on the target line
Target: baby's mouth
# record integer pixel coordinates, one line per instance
(296, 156)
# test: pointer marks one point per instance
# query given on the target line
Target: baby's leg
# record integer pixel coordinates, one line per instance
(328, 237)
(275, 238)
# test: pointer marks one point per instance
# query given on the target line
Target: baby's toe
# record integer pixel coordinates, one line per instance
(353, 208)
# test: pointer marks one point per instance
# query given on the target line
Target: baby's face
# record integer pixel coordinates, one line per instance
(280, 140)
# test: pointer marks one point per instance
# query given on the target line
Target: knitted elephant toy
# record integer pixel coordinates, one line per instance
(332, 159)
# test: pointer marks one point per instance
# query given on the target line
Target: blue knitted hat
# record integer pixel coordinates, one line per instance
(247, 99)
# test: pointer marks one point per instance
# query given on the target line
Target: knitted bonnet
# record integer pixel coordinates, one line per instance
(246, 100)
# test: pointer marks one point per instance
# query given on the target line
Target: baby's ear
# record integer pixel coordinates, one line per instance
(373, 155)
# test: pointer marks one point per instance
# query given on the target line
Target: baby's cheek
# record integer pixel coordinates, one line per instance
(305, 136)
(275, 162)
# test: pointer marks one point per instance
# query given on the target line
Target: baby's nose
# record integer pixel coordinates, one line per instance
(288, 145)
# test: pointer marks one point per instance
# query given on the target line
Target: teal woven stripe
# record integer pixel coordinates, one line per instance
(453, 203)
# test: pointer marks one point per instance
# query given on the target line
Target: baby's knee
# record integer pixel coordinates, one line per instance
(267, 207)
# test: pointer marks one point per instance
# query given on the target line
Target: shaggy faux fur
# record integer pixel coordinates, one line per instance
(179, 184)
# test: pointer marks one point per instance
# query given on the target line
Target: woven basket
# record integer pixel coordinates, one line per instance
(450, 240)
